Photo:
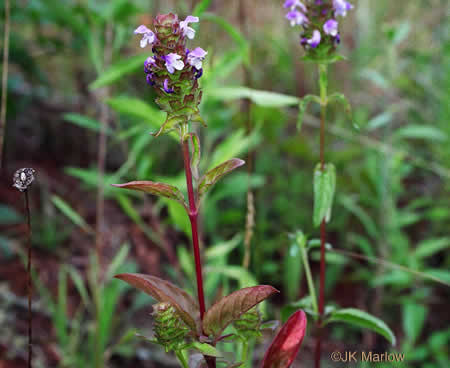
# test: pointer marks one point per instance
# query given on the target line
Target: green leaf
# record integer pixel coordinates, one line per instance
(206, 349)
(67, 210)
(324, 189)
(414, 316)
(158, 189)
(212, 176)
(240, 274)
(303, 105)
(164, 291)
(171, 124)
(201, 7)
(119, 70)
(414, 131)
(223, 249)
(262, 98)
(85, 122)
(233, 306)
(362, 319)
(430, 247)
(341, 99)
(137, 108)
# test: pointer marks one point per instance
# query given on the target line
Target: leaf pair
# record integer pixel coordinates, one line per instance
(324, 189)
(217, 318)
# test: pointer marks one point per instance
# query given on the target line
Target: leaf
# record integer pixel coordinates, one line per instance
(213, 176)
(414, 316)
(303, 105)
(164, 291)
(158, 189)
(67, 210)
(137, 108)
(341, 99)
(231, 307)
(415, 131)
(324, 188)
(206, 349)
(430, 247)
(85, 122)
(362, 319)
(119, 70)
(171, 124)
(201, 7)
(285, 346)
(262, 98)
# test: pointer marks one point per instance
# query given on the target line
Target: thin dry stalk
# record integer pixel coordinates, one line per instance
(4, 79)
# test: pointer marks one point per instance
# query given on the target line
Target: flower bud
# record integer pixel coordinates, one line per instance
(169, 329)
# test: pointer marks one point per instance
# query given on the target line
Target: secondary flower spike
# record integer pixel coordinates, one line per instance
(173, 69)
(319, 33)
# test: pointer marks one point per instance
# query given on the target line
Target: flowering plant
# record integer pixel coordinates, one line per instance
(319, 37)
(182, 324)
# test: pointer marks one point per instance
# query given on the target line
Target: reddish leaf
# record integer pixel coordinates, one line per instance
(231, 307)
(285, 346)
(164, 291)
(212, 176)
(159, 189)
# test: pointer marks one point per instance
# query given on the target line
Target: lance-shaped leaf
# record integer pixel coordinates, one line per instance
(164, 291)
(340, 98)
(195, 159)
(362, 319)
(212, 176)
(324, 188)
(159, 189)
(303, 105)
(171, 124)
(285, 346)
(233, 306)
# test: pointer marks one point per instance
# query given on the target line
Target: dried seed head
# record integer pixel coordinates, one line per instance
(23, 178)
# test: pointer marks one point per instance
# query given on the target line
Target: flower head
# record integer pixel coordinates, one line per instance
(341, 7)
(188, 32)
(148, 35)
(331, 27)
(196, 57)
(173, 62)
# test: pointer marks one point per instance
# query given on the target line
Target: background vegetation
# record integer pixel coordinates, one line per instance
(75, 70)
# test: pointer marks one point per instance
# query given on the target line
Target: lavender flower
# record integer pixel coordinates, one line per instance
(341, 7)
(148, 64)
(196, 57)
(331, 27)
(296, 18)
(148, 35)
(293, 4)
(173, 62)
(167, 89)
(184, 26)
(315, 39)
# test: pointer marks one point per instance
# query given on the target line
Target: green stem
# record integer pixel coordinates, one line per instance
(182, 358)
(309, 279)
(245, 352)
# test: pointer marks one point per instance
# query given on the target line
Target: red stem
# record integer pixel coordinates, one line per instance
(193, 216)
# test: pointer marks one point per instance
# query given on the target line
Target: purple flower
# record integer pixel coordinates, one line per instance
(149, 79)
(148, 35)
(341, 7)
(293, 4)
(184, 26)
(296, 18)
(173, 62)
(196, 57)
(167, 89)
(148, 64)
(198, 74)
(315, 39)
(331, 27)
